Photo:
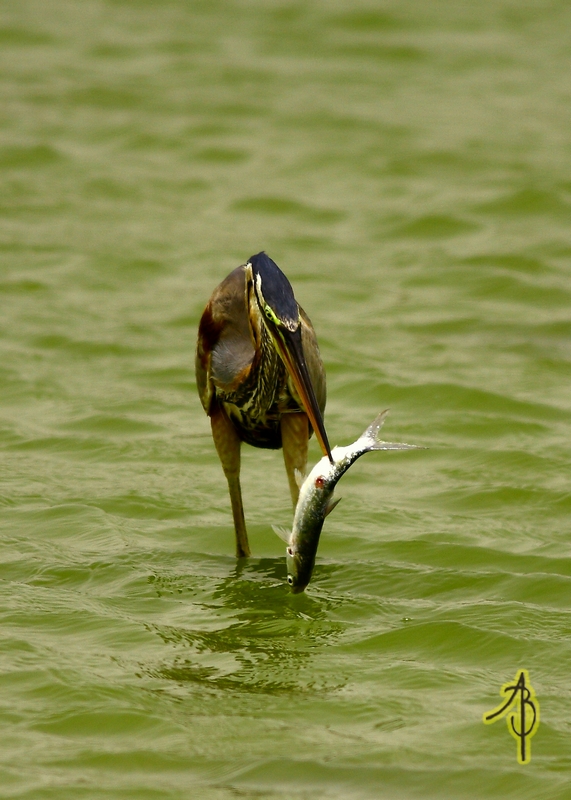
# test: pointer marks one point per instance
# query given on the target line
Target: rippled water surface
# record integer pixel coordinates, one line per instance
(408, 165)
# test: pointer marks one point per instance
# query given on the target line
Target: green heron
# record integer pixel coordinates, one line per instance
(259, 375)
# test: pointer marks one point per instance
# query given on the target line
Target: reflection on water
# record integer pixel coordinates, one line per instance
(270, 634)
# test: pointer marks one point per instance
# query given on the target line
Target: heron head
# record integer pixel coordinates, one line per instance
(280, 312)
(274, 294)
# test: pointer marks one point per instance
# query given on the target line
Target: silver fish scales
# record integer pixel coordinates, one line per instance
(316, 501)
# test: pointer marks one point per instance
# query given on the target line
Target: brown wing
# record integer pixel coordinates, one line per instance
(225, 348)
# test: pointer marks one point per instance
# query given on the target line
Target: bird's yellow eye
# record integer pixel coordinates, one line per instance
(270, 315)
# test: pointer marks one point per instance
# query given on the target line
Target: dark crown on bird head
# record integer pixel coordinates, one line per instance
(275, 289)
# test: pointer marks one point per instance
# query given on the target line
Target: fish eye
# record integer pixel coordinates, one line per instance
(290, 580)
(289, 551)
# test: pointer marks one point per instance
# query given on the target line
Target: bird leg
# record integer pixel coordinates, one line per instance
(295, 437)
(227, 444)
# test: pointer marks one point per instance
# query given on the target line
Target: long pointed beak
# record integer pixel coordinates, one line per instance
(290, 349)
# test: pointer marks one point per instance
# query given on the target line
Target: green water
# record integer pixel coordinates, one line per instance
(408, 165)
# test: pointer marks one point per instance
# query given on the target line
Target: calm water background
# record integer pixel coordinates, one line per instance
(408, 164)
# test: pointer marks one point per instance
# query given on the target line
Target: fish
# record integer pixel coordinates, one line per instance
(316, 501)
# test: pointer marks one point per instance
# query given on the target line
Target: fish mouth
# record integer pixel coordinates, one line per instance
(298, 576)
(290, 349)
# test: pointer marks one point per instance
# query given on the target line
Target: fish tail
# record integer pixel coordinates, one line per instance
(372, 431)
(371, 436)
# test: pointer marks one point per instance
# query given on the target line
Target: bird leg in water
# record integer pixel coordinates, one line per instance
(228, 444)
(295, 436)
